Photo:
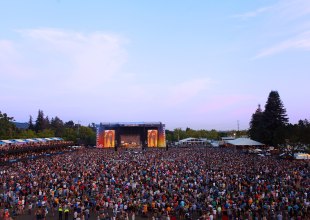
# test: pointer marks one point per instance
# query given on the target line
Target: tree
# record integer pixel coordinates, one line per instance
(169, 136)
(7, 127)
(40, 122)
(179, 134)
(46, 133)
(274, 120)
(31, 125)
(213, 135)
(87, 136)
(69, 134)
(46, 124)
(23, 134)
(299, 134)
(191, 133)
(58, 126)
(69, 124)
(256, 125)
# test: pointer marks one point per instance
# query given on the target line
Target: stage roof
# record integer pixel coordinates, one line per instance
(130, 124)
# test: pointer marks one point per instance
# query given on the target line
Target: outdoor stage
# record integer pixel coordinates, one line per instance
(131, 135)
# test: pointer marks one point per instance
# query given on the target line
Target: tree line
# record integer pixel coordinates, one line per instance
(179, 134)
(271, 126)
(43, 127)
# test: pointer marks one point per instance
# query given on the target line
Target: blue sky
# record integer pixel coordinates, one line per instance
(198, 64)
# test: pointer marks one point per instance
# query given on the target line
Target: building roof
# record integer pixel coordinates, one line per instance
(228, 138)
(244, 142)
(129, 124)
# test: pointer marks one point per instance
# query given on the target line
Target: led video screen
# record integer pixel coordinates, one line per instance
(152, 136)
(109, 138)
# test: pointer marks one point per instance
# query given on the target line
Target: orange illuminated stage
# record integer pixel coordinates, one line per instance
(131, 135)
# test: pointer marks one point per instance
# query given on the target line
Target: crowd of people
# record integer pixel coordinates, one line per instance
(28, 146)
(26, 155)
(187, 183)
(14, 152)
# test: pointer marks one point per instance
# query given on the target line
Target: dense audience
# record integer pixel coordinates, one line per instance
(30, 150)
(187, 183)
(5, 148)
(23, 155)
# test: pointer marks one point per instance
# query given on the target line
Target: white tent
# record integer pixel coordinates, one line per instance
(31, 140)
(191, 140)
(244, 142)
(40, 139)
(215, 143)
(20, 141)
(8, 141)
(57, 139)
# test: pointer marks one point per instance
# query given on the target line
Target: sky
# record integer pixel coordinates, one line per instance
(198, 64)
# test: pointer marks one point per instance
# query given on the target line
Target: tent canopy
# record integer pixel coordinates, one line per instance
(31, 140)
(8, 141)
(191, 140)
(57, 139)
(20, 141)
(244, 142)
(40, 139)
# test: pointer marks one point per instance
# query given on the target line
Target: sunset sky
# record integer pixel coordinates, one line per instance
(198, 64)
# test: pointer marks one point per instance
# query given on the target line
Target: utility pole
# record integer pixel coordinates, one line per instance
(238, 124)
(238, 133)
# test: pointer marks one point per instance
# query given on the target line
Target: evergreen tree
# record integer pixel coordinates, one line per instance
(274, 120)
(256, 125)
(46, 124)
(58, 126)
(40, 122)
(31, 125)
(52, 122)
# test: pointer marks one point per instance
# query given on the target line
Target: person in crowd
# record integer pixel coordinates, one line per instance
(175, 184)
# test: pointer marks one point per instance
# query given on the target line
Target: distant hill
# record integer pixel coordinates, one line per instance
(21, 125)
